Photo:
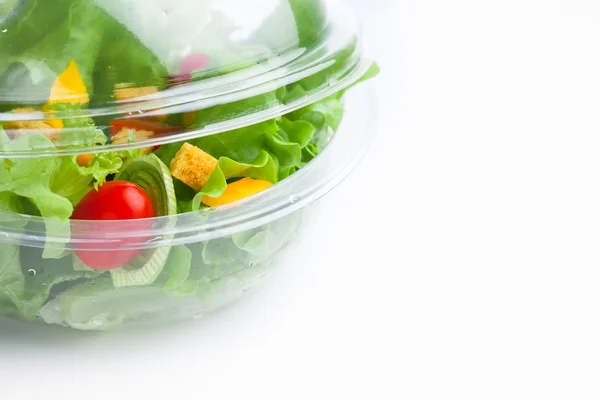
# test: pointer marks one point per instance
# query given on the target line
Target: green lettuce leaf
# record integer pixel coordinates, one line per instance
(10, 203)
(263, 168)
(311, 19)
(98, 305)
(27, 22)
(230, 111)
(12, 280)
(123, 59)
(26, 280)
(242, 153)
(77, 132)
(197, 278)
(270, 151)
(242, 145)
(31, 71)
(177, 271)
(72, 181)
(105, 51)
(31, 177)
(52, 185)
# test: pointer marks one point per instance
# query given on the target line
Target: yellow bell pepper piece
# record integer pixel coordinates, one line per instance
(55, 123)
(237, 191)
(69, 87)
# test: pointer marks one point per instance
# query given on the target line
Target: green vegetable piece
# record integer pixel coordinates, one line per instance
(31, 178)
(26, 280)
(263, 168)
(98, 305)
(30, 71)
(123, 59)
(154, 177)
(25, 22)
(177, 269)
(311, 20)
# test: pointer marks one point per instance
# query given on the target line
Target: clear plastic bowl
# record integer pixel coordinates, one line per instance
(213, 255)
(255, 60)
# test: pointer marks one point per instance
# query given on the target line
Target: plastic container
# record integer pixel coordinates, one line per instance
(188, 71)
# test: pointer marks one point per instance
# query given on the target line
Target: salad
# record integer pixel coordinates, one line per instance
(123, 166)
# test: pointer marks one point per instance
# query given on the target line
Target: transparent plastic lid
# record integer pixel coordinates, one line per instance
(165, 70)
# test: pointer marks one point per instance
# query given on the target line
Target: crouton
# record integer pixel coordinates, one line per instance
(23, 110)
(124, 93)
(17, 129)
(193, 166)
(133, 135)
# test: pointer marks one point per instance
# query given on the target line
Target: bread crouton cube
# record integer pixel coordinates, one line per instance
(123, 92)
(20, 128)
(133, 135)
(127, 135)
(193, 166)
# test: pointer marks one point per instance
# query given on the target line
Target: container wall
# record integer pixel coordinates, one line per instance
(198, 278)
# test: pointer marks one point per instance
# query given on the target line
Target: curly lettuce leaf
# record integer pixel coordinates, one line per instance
(292, 140)
(72, 181)
(77, 131)
(237, 109)
(242, 144)
(54, 184)
(270, 151)
(31, 177)
(51, 185)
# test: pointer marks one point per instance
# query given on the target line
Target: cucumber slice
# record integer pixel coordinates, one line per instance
(152, 175)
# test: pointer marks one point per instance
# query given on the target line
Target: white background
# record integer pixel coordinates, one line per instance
(459, 261)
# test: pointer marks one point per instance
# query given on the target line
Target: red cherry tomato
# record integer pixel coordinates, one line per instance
(113, 201)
